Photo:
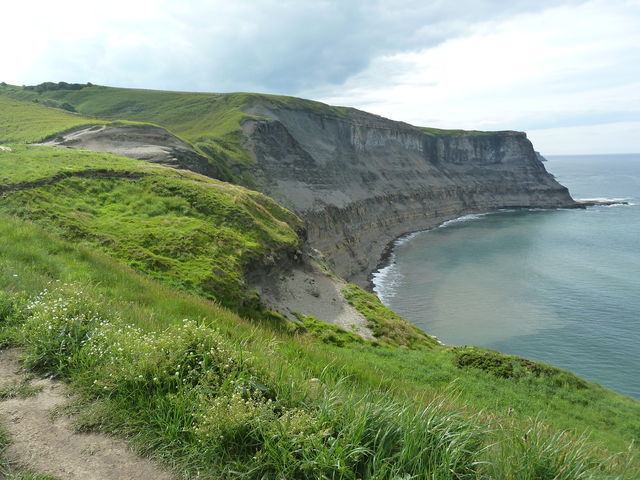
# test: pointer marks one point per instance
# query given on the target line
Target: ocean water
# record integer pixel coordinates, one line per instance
(558, 286)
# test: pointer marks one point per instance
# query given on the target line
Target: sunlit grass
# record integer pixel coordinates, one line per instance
(310, 382)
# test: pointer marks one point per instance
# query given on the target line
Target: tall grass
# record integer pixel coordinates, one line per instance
(301, 407)
(540, 453)
(190, 386)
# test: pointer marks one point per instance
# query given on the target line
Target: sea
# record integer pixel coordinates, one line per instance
(558, 286)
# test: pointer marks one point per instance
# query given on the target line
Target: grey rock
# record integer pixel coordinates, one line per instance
(142, 142)
(359, 181)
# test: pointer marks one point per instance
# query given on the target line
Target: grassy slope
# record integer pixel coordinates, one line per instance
(33, 257)
(29, 122)
(193, 232)
(106, 207)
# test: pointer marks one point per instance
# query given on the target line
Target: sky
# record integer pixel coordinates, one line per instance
(566, 71)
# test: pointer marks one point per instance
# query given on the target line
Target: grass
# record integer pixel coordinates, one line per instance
(24, 121)
(27, 163)
(192, 232)
(431, 131)
(386, 325)
(358, 393)
(31, 122)
(326, 332)
(21, 389)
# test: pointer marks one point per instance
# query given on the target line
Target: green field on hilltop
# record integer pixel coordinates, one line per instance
(210, 122)
(30, 122)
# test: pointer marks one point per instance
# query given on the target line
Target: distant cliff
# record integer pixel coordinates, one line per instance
(360, 180)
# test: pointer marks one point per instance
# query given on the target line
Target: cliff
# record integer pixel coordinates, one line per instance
(357, 179)
(360, 180)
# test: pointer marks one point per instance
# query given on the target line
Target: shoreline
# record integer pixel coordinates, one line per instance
(386, 259)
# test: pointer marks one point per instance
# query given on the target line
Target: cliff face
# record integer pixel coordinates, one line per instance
(142, 142)
(360, 180)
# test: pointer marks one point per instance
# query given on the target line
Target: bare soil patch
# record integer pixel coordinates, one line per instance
(49, 444)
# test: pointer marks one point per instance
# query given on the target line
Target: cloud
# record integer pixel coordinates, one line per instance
(565, 66)
(267, 45)
(524, 64)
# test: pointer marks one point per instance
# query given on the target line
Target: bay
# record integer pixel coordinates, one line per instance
(557, 286)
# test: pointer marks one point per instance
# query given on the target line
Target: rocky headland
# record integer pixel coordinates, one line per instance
(359, 180)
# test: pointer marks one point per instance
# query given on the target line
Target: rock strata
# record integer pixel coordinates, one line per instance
(360, 180)
(142, 142)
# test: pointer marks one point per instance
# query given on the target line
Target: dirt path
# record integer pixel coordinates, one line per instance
(51, 446)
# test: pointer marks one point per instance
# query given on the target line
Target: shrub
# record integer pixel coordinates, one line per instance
(499, 364)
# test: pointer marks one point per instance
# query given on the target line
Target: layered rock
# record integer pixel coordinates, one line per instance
(142, 142)
(360, 180)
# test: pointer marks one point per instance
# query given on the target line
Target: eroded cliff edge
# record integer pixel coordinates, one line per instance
(360, 180)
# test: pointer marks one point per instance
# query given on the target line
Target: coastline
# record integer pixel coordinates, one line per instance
(386, 258)
(590, 213)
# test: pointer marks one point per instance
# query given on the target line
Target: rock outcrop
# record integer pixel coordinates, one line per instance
(360, 180)
(142, 142)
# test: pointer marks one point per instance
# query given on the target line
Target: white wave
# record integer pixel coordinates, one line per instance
(405, 238)
(627, 204)
(602, 199)
(386, 280)
(464, 218)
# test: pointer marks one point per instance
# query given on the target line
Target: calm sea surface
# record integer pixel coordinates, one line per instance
(558, 286)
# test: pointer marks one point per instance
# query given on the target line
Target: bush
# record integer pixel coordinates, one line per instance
(52, 86)
(499, 364)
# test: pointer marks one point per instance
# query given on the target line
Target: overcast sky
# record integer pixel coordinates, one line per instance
(566, 72)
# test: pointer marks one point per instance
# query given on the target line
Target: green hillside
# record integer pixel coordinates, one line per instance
(127, 280)
(34, 121)
(22, 121)
(191, 231)
(210, 122)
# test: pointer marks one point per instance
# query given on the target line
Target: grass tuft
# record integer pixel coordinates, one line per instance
(386, 325)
